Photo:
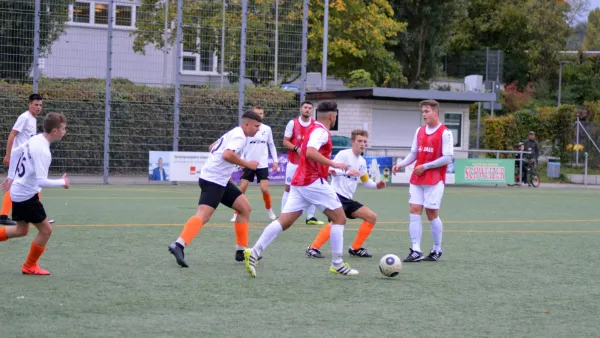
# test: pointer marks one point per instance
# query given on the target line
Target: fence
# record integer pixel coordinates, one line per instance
(138, 76)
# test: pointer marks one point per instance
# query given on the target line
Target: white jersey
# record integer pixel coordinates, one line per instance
(346, 185)
(216, 169)
(259, 146)
(26, 125)
(29, 164)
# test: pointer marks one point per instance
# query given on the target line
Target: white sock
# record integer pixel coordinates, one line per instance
(310, 211)
(268, 235)
(180, 241)
(284, 199)
(336, 238)
(436, 233)
(415, 229)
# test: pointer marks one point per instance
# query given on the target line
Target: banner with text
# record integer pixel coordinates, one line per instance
(484, 171)
(186, 166)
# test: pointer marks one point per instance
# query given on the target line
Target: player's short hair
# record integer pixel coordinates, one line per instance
(35, 97)
(250, 114)
(327, 107)
(358, 132)
(53, 121)
(306, 102)
(432, 103)
(257, 108)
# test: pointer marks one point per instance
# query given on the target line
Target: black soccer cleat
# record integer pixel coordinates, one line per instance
(239, 256)
(433, 256)
(4, 220)
(414, 256)
(314, 253)
(176, 250)
(361, 252)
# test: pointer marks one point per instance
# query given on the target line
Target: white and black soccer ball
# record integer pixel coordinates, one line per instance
(390, 265)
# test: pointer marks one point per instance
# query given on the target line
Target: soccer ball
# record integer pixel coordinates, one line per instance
(390, 265)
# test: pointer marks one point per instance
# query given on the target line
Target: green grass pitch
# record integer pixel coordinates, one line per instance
(518, 262)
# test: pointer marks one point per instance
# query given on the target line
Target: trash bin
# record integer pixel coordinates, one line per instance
(553, 168)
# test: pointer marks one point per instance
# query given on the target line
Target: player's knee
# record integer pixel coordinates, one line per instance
(245, 209)
(46, 231)
(21, 231)
(341, 219)
(287, 188)
(431, 214)
(371, 217)
(416, 209)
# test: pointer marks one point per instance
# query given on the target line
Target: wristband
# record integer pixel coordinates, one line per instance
(296, 149)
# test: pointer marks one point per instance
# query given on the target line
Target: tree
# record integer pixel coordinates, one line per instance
(592, 33)
(202, 26)
(425, 40)
(360, 35)
(17, 27)
(528, 32)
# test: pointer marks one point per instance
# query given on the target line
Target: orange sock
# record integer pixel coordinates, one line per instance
(34, 254)
(191, 229)
(241, 234)
(322, 237)
(267, 199)
(6, 204)
(3, 236)
(39, 196)
(363, 232)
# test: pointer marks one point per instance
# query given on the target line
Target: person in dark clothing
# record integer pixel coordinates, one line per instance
(530, 146)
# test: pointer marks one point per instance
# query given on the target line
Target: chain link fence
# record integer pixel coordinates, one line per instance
(139, 76)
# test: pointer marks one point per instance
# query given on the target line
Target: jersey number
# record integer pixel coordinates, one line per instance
(220, 142)
(21, 166)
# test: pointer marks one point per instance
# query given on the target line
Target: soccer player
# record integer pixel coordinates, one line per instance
(25, 128)
(257, 149)
(295, 132)
(216, 188)
(344, 184)
(28, 172)
(309, 186)
(433, 149)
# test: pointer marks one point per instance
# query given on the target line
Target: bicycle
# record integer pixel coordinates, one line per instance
(533, 178)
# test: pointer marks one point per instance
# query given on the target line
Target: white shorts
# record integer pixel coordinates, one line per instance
(429, 196)
(290, 170)
(319, 193)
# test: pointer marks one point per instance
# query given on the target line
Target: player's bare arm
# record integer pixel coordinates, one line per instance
(9, 145)
(231, 157)
(289, 145)
(313, 154)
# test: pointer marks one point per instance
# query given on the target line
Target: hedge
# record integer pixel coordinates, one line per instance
(141, 120)
(551, 124)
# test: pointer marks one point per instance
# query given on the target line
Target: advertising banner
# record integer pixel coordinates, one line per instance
(379, 168)
(485, 171)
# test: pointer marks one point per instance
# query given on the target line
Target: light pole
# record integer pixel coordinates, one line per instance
(560, 80)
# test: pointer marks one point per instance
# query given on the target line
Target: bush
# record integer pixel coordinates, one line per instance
(550, 124)
(141, 120)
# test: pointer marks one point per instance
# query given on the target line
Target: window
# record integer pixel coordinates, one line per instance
(454, 122)
(194, 59)
(123, 16)
(101, 14)
(96, 13)
(81, 12)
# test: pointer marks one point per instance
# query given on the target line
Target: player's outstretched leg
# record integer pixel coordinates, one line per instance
(369, 219)
(251, 255)
(190, 230)
(337, 246)
(314, 250)
(38, 246)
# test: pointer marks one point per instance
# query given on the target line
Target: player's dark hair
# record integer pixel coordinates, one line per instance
(358, 132)
(306, 102)
(35, 97)
(327, 107)
(53, 121)
(250, 114)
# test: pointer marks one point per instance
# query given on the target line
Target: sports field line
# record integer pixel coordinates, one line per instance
(262, 226)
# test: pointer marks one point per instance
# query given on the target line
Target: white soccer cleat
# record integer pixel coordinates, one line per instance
(271, 214)
(343, 269)
(233, 218)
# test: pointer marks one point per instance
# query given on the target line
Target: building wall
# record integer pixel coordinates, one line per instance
(358, 114)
